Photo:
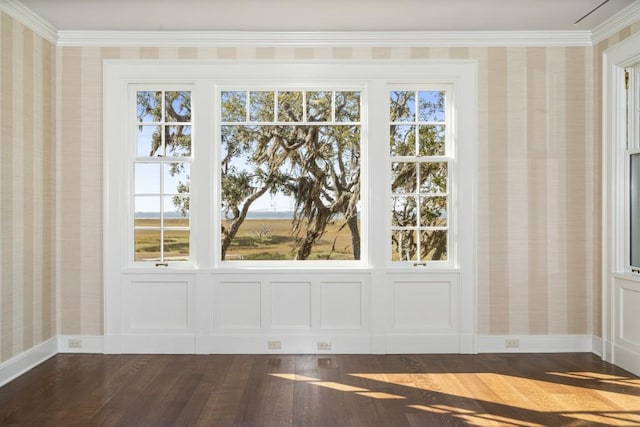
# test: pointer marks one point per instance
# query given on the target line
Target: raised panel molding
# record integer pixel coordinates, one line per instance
(240, 305)
(290, 305)
(159, 305)
(422, 305)
(341, 305)
(628, 328)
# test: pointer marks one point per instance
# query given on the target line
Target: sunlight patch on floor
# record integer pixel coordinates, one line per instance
(524, 393)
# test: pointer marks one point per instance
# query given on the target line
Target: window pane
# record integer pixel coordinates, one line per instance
(403, 177)
(404, 246)
(403, 106)
(433, 245)
(149, 107)
(431, 140)
(176, 178)
(260, 107)
(290, 106)
(433, 211)
(147, 178)
(176, 211)
(403, 140)
(347, 106)
(147, 245)
(178, 106)
(233, 106)
(404, 211)
(149, 141)
(431, 106)
(178, 141)
(291, 192)
(147, 211)
(319, 106)
(433, 177)
(176, 245)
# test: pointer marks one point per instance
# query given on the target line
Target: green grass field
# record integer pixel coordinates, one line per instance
(257, 239)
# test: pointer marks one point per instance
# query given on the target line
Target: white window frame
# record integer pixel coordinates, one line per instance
(453, 177)
(632, 147)
(284, 85)
(203, 77)
(131, 154)
(616, 271)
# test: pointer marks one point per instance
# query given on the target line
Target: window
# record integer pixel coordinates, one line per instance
(161, 174)
(419, 175)
(290, 174)
(306, 165)
(632, 78)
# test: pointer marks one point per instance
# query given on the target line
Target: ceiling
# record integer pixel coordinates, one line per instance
(325, 15)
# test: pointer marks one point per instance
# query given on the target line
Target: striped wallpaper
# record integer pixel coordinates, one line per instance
(539, 182)
(538, 188)
(27, 191)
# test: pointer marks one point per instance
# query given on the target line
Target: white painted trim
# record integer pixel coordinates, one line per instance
(40, 26)
(623, 54)
(30, 19)
(596, 345)
(627, 358)
(290, 344)
(616, 23)
(89, 344)
(322, 38)
(25, 361)
(536, 343)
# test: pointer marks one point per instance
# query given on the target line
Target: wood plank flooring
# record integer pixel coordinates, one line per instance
(323, 390)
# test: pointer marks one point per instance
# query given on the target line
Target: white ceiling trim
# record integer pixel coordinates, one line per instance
(616, 23)
(27, 17)
(323, 39)
(30, 19)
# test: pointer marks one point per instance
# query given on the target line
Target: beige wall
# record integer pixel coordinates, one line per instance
(27, 200)
(538, 194)
(539, 181)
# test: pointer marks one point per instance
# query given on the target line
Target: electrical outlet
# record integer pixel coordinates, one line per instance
(74, 343)
(512, 343)
(274, 345)
(324, 345)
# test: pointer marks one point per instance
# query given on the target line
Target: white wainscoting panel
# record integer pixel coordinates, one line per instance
(422, 305)
(291, 312)
(423, 312)
(157, 315)
(159, 304)
(630, 316)
(240, 305)
(626, 350)
(341, 305)
(290, 305)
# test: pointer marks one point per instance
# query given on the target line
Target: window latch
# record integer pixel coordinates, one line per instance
(419, 264)
(162, 264)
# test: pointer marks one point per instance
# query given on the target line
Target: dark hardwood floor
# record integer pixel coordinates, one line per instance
(323, 390)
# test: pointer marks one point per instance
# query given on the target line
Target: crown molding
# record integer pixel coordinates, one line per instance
(323, 39)
(17, 10)
(30, 19)
(616, 23)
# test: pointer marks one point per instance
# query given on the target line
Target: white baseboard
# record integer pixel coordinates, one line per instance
(596, 345)
(627, 359)
(80, 344)
(352, 344)
(258, 344)
(27, 360)
(535, 343)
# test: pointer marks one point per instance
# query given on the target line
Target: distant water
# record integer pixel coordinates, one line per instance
(250, 215)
